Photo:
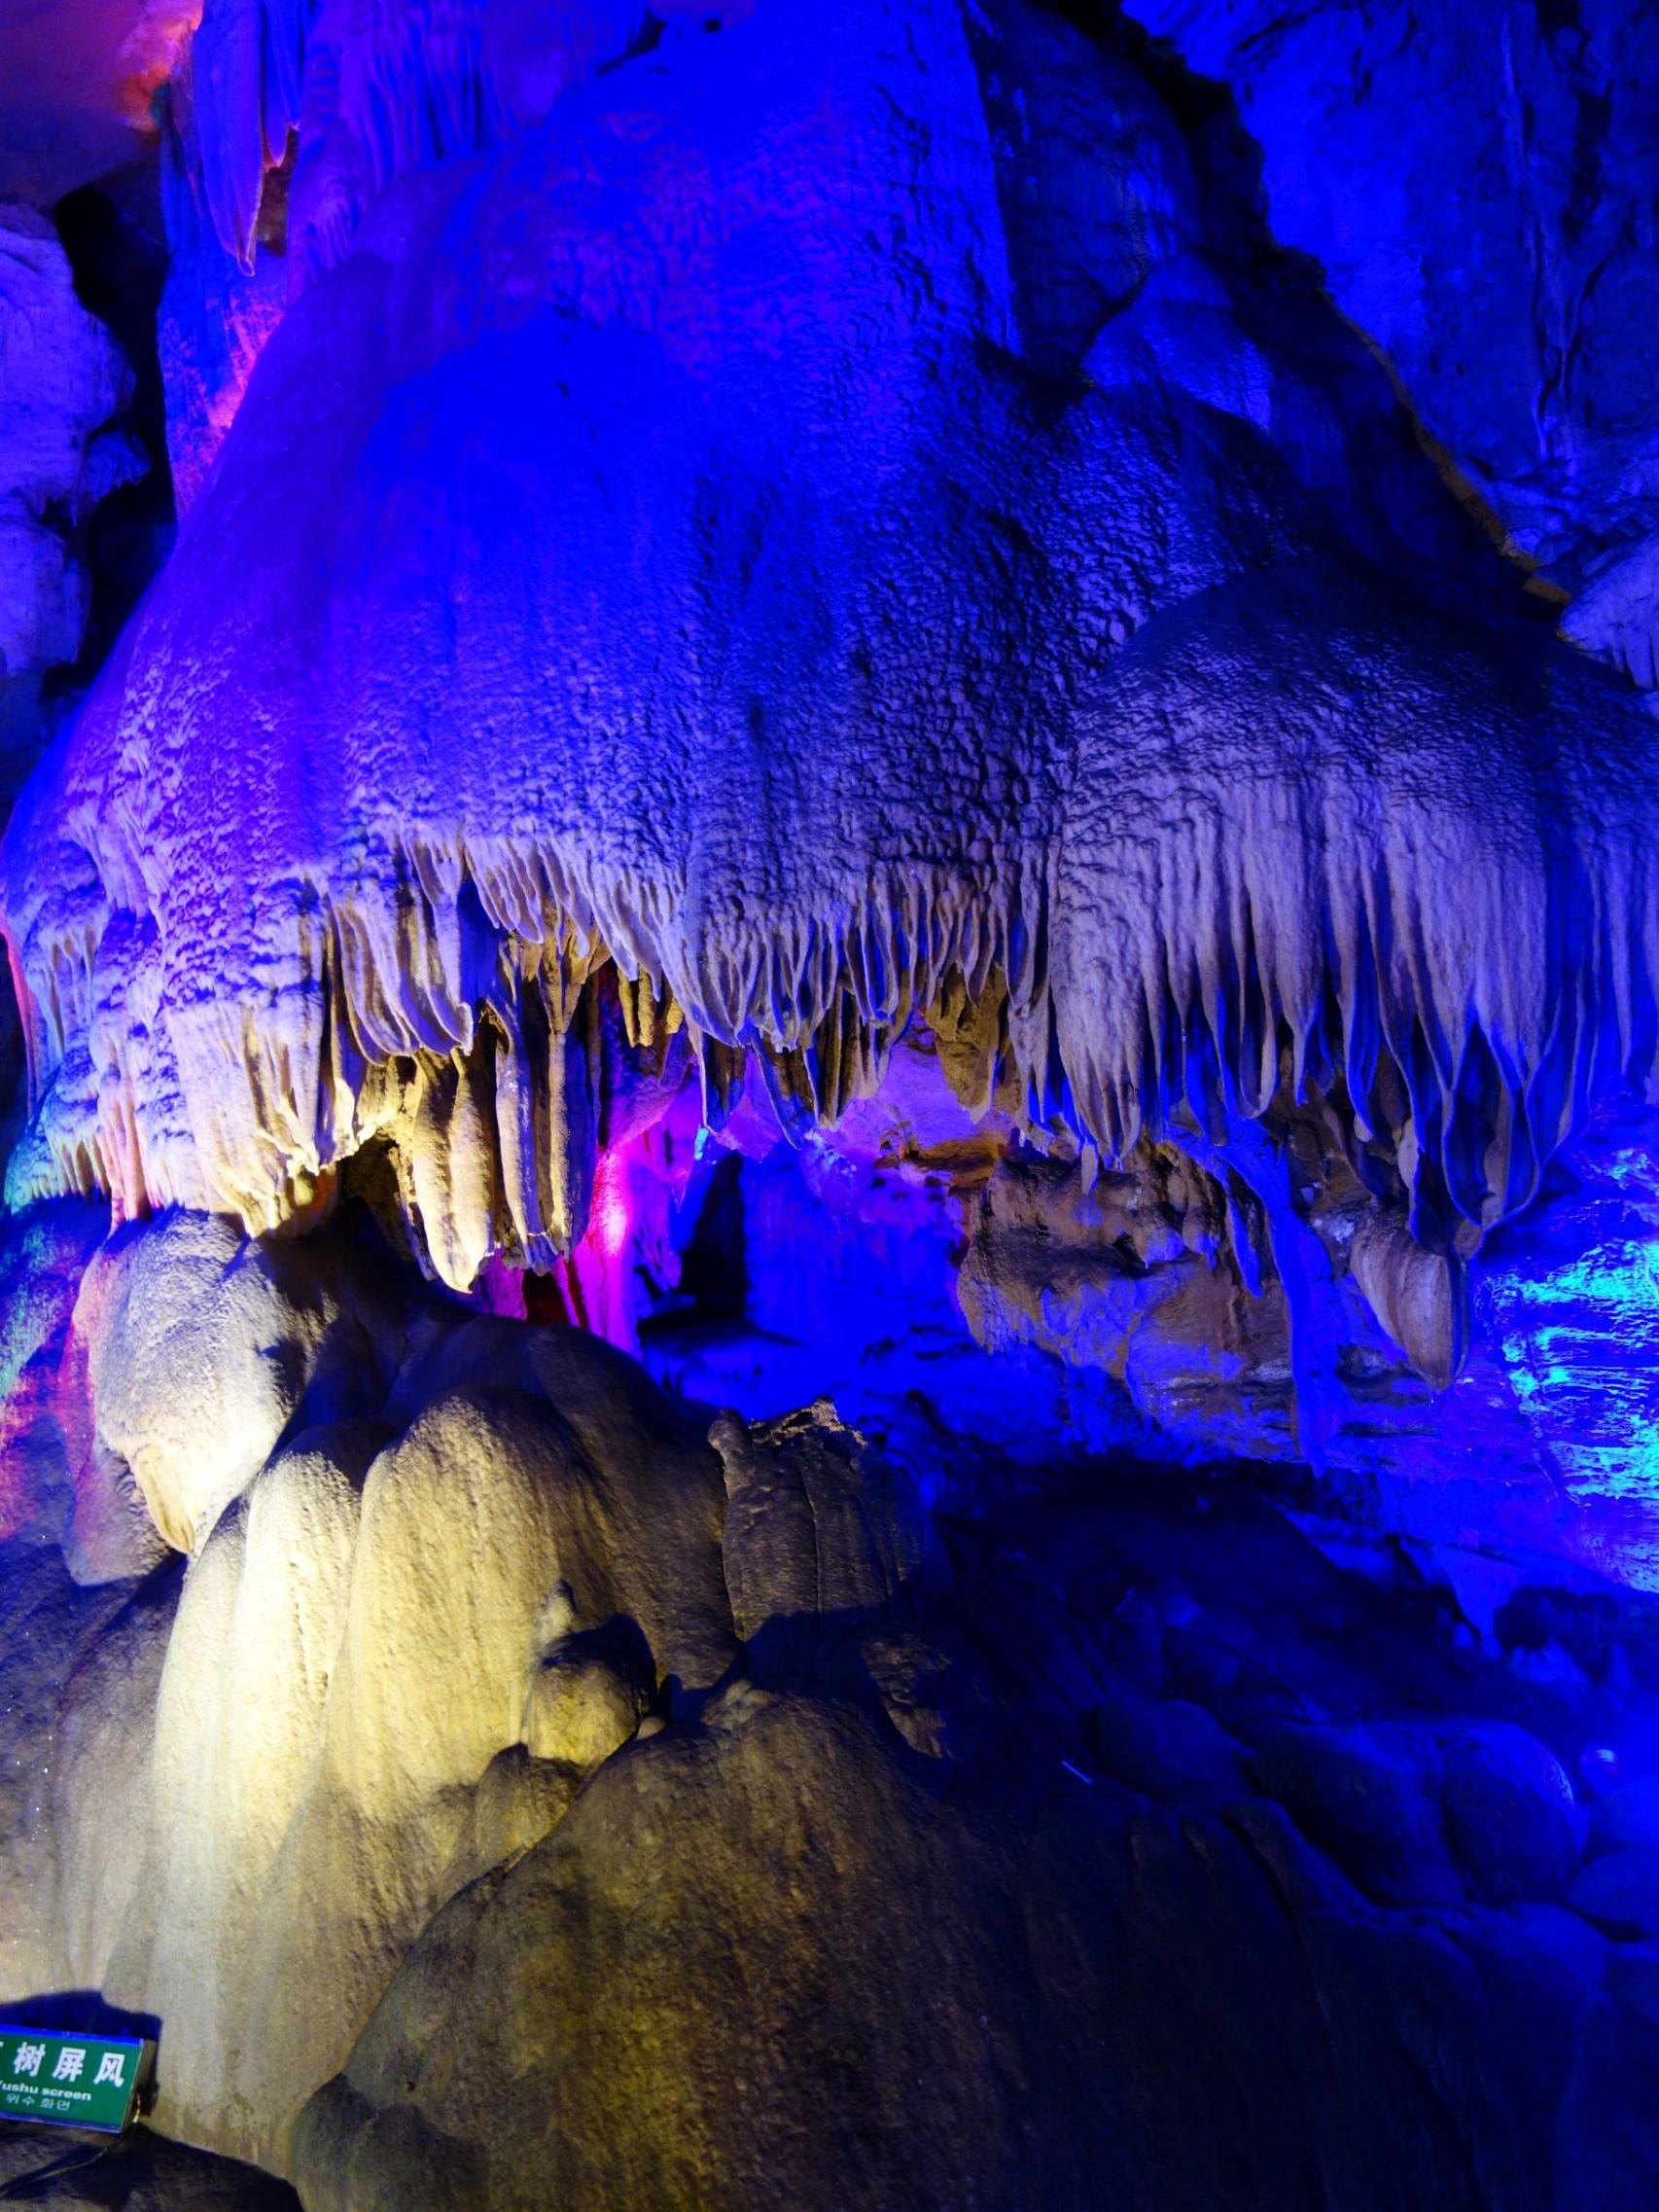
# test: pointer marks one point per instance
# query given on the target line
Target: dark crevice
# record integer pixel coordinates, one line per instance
(114, 237)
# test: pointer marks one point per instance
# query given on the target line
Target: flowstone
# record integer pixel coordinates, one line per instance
(828, 1336)
(619, 671)
(529, 1781)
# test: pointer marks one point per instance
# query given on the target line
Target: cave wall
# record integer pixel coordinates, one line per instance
(825, 1286)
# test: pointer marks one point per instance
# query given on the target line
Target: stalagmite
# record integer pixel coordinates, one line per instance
(828, 1336)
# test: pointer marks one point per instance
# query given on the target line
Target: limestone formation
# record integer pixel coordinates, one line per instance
(750, 1920)
(828, 1324)
(1243, 819)
(143, 2174)
(378, 1596)
(62, 383)
(612, 1814)
(1484, 170)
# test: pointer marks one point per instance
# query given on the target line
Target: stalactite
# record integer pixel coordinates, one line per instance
(667, 568)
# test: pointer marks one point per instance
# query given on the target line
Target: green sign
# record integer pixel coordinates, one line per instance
(75, 2081)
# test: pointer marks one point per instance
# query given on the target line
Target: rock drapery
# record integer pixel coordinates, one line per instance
(946, 720)
(1238, 817)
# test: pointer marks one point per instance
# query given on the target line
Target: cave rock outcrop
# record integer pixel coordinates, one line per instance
(936, 629)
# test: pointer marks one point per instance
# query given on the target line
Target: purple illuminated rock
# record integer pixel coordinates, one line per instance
(1476, 185)
(660, 547)
(77, 78)
(62, 380)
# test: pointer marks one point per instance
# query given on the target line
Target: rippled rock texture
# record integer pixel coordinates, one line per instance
(976, 655)
(63, 381)
(531, 1790)
(826, 1299)
(1477, 185)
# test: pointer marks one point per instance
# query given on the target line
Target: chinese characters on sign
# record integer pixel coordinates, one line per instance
(78, 2081)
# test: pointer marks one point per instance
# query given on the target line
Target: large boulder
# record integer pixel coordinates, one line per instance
(772, 1955)
(393, 1665)
(203, 1347)
(758, 1963)
(439, 1569)
(1425, 1812)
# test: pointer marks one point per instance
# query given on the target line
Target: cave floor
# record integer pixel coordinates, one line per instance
(141, 2172)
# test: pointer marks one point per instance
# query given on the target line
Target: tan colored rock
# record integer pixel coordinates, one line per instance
(400, 1641)
(1418, 1295)
(585, 1700)
(362, 1639)
(202, 1346)
(813, 1530)
(765, 1961)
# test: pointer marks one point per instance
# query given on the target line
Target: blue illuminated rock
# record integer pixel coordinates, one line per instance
(506, 717)
(1477, 185)
(1371, 1796)
(1509, 1811)
(64, 381)
(818, 712)
(1620, 1892)
(1627, 1816)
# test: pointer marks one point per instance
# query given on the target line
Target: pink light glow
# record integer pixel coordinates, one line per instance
(612, 1220)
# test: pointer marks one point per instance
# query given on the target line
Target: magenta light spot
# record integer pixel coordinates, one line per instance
(610, 1218)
